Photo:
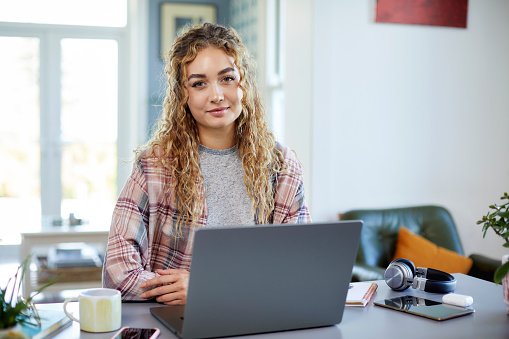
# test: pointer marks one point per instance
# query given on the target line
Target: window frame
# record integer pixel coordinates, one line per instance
(130, 125)
(274, 48)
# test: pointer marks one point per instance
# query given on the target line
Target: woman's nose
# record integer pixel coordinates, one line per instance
(217, 94)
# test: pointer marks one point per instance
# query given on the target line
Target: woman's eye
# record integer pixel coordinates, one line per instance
(229, 78)
(198, 84)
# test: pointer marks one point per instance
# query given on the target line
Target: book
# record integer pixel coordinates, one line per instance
(361, 293)
(73, 255)
(51, 322)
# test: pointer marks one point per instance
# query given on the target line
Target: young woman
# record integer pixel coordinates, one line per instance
(212, 162)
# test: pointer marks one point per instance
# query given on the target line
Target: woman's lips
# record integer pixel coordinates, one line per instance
(218, 112)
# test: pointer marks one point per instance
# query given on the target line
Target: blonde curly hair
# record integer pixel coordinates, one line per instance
(176, 137)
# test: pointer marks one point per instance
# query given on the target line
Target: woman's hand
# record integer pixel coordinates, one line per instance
(171, 287)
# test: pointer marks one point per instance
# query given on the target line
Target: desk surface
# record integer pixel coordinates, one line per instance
(488, 321)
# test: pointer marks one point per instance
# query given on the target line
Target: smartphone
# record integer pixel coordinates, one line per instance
(136, 333)
(424, 307)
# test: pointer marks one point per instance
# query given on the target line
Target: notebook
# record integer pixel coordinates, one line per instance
(51, 322)
(361, 293)
(259, 279)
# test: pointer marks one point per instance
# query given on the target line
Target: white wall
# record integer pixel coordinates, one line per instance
(404, 114)
(298, 84)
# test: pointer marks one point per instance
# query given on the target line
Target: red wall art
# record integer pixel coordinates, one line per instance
(449, 13)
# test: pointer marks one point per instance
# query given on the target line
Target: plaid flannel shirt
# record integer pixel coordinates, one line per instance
(141, 237)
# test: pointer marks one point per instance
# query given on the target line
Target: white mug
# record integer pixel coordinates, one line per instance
(100, 310)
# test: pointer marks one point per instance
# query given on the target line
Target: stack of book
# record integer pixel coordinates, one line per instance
(73, 255)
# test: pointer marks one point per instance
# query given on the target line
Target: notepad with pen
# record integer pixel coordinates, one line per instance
(361, 293)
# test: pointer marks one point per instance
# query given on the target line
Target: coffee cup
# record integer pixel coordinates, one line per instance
(100, 309)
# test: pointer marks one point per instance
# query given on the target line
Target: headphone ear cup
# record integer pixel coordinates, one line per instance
(398, 273)
(410, 265)
(439, 282)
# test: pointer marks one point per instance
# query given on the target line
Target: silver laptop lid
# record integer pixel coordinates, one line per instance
(269, 278)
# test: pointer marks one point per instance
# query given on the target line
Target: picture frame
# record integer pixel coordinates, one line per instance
(176, 16)
(445, 13)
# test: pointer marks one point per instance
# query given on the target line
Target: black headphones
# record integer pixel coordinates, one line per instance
(402, 274)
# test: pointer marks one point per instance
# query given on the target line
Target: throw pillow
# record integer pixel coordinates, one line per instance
(424, 253)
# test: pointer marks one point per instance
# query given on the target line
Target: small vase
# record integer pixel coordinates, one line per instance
(505, 284)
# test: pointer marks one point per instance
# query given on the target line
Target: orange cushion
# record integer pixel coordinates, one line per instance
(424, 253)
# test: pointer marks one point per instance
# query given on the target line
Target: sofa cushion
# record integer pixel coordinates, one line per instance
(424, 253)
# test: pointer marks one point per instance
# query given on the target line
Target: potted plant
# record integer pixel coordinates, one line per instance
(498, 220)
(15, 309)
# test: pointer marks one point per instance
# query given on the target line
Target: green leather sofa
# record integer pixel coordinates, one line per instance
(380, 233)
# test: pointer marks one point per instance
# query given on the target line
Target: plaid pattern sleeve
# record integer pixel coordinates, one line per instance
(141, 237)
(290, 203)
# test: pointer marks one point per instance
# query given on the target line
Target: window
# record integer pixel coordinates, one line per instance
(59, 107)
(20, 182)
(275, 73)
(88, 123)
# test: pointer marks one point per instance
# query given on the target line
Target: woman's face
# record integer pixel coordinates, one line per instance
(214, 94)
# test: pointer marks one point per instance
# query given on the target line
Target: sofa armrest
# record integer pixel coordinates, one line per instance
(483, 267)
(363, 272)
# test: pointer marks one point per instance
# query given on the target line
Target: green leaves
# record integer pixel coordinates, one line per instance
(12, 304)
(500, 273)
(502, 214)
(498, 221)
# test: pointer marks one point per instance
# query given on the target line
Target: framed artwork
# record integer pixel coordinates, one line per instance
(176, 16)
(449, 13)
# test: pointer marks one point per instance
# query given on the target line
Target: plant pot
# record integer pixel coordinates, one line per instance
(11, 332)
(505, 284)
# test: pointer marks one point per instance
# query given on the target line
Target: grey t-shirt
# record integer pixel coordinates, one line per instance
(228, 203)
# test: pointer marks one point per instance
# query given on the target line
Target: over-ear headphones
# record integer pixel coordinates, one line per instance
(402, 274)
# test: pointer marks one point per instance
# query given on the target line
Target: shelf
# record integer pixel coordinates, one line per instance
(49, 236)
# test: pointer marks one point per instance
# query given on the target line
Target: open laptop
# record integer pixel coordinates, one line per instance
(270, 278)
